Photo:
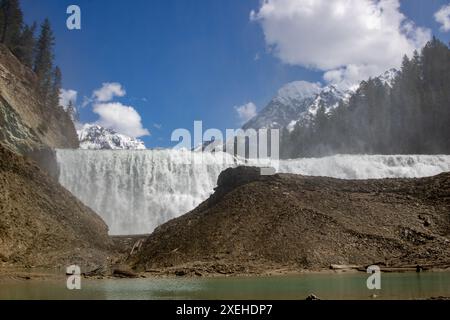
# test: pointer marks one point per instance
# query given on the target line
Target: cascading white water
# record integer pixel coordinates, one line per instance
(136, 191)
(369, 166)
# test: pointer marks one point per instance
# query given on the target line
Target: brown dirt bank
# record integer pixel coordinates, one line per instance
(42, 224)
(252, 224)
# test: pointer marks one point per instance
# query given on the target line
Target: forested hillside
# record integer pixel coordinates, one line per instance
(411, 117)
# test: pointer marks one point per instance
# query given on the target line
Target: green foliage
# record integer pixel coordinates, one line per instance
(11, 20)
(43, 65)
(55, 87)
(26, 46)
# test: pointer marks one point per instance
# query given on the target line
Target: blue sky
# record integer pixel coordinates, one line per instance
(181, 61)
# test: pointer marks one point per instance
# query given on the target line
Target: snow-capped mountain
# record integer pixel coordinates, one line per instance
(300, 101)
(328, 98)
(296, 101)
(296, 91)
(95, 137)
(389, 76)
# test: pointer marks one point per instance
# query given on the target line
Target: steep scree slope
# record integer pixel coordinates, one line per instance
(42, 224)
(254, 224)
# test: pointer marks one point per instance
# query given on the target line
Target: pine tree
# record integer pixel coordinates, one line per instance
(43, 65)
(56, 88)
(436, 79)
(11, 20)
(73, 112)
(412, 116)
(25, 49)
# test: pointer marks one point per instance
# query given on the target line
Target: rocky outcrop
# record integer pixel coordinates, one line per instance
(26, 125)
(42, 224)
(259, 223)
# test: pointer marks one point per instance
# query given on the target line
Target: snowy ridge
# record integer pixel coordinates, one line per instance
(389, 77)
(328, 98)
(136, 191)
(299, 101)
(95, 137)
(297, 91)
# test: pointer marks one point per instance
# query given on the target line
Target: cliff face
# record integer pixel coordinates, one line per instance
(26, 125)
(256, 223)
(42, 224)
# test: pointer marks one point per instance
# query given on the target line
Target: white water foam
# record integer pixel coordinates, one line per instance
(136, 191)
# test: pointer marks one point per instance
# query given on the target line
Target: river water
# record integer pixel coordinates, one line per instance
(335, 286)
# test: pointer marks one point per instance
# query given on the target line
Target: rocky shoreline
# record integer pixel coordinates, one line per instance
(123, 272)
(253, 225)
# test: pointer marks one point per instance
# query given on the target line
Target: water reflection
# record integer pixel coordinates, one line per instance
(326, 286)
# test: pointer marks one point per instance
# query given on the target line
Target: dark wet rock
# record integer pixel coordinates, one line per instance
(311, 297)
(124, 272)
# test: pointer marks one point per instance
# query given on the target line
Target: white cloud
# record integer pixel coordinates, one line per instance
(350, 75)
(108, 91)
(246, 111)
(443, 17)
(115, 115)
(157, 126)
(350, 40)
(86, 101)
(121, 118)
(65, 96)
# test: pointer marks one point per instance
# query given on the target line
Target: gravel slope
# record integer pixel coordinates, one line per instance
(256, 224)
(41, 223)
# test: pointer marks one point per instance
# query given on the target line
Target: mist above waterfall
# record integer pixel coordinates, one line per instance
(136, 191)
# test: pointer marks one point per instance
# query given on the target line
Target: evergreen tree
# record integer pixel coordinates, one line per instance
(19, 38)
(56, 87)
(43, 65)
(73, 112)
(436, 85)
(26, 47)
(11, 20)
(412, 116)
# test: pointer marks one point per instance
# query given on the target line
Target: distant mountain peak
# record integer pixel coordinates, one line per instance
(294, 102)
(299, 101)
(389, 76)
(96, 137)
(297, 90)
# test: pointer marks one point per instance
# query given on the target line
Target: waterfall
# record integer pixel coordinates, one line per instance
(136, 191)
(369, 166)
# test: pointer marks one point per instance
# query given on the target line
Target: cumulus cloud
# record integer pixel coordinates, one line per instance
(115, 115)
(246, 111)
(350, 40)
(108, 91)
(67, 96)
(121, 118)
(443, 17)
